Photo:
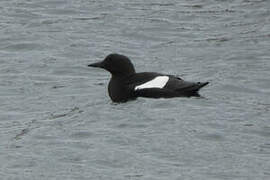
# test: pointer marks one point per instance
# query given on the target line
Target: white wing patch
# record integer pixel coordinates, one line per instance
(158, 82)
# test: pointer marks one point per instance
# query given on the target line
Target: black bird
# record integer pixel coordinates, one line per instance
(126, 84)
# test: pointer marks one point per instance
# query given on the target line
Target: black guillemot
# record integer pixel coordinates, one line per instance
(126, 84)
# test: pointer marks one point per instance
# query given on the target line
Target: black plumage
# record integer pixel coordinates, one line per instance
(124, 80)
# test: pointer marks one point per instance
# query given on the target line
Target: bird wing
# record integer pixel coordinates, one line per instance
(140, 78)
(177, 84)
(140, 85)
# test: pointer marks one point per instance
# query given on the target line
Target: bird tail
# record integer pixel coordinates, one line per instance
(193, 88)
(201, 84)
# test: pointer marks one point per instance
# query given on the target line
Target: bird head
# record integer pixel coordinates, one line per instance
(116, 64)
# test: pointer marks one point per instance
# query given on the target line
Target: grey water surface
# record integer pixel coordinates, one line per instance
(58, 122)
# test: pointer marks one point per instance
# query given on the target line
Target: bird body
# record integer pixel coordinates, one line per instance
(125, 84)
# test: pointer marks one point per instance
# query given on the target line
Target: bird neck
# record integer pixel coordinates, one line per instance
(121, 74)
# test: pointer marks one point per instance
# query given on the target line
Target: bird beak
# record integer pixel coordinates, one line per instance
(97, 64)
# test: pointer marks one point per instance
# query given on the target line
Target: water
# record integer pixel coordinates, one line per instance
(57, 121)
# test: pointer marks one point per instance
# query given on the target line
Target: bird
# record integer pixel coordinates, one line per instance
(125, 84)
